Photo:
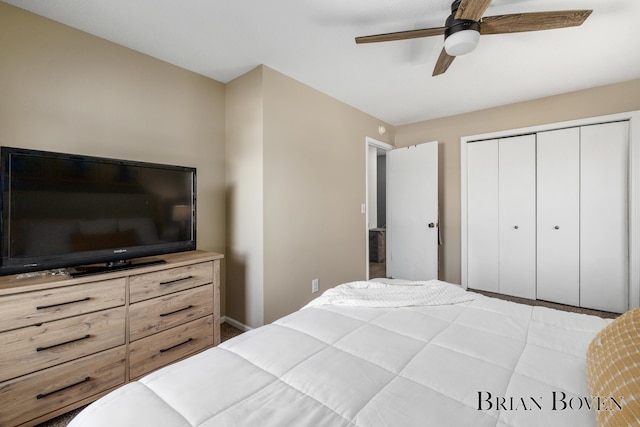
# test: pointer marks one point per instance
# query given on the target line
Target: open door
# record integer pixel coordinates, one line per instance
(412, 212)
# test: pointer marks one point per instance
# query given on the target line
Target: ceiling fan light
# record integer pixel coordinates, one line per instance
(461, 42)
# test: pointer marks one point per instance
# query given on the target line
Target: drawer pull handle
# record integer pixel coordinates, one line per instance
(176, 311)
(162, 350)
(42, 307)
(43, 395)
(182, 279)
(63, 343)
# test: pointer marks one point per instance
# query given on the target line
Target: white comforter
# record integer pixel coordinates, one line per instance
(393, 293)
(484, 362)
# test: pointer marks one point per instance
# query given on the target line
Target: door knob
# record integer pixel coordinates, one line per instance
(557, 227)
(431, 225)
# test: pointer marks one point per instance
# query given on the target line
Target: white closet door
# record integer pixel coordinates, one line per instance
(558, 216)
(482, 216)
(604, 217)
(517, 216)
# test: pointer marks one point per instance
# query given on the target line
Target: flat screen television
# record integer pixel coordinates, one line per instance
(66, 210)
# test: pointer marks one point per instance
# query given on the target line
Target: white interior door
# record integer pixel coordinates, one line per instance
(501, 225)
(412, 212)
(517, 211)
(604, 247)
(558, 187)
(483, 232)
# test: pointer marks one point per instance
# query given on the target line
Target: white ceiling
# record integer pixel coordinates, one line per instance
(313, 41)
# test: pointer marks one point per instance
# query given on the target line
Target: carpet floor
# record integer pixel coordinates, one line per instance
(226, 332)
(603, 314)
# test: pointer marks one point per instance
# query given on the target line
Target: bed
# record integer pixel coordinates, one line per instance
(388, 353)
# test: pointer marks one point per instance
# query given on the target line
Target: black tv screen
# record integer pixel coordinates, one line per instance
(61, 210)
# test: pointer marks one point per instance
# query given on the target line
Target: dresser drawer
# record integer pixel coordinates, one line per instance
(31, 308)
(38, 347)
(156, 315)
(155, 351)
(150, 285)
(34, 395)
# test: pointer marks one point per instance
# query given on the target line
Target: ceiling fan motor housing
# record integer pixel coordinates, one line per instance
(464, 42)
(454, 25)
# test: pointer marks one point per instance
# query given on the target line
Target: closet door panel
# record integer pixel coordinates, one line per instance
(604, 217)
(482, 216)
(558, 216)
(517, 216)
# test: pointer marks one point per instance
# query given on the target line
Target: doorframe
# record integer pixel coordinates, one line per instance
(633, 117)
(370, 142)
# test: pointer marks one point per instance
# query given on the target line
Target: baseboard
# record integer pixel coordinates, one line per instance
(235, 324)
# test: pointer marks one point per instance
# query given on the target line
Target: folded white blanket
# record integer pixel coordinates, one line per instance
(404, 294)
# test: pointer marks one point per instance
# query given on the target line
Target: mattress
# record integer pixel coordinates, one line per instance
(472, 361)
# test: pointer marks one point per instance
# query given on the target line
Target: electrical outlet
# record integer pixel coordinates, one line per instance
(314, 286)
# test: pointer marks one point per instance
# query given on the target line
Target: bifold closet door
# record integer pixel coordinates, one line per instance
(558, 216)
(604, 217)
(517, 216)
(482, 216)
(501, 223)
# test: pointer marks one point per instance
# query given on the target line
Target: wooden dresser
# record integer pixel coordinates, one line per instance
(64, 341)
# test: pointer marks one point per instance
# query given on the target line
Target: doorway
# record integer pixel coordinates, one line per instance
(376, 207)
(402, 242)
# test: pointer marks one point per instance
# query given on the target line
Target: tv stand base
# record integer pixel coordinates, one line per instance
(89, 270)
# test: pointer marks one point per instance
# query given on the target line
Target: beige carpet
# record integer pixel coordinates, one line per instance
(604, 314)
(226, 331)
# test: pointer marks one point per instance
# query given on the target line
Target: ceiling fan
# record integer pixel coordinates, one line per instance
(464, 26)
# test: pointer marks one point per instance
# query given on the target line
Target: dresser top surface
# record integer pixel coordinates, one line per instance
(52, 279)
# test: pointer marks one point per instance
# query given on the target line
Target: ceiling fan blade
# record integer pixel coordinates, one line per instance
(401, 35)
(472, 9)
(535, 21)
(444, 60)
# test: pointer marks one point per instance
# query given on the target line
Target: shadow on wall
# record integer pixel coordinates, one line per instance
(236, 287)
(236, 264)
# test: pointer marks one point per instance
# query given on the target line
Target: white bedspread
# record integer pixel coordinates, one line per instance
(398, 294)
(479, 363)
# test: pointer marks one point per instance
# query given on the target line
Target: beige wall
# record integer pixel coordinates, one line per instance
(294, 189)
(314, 183)
(448, 131)
(65, 90)
(295, 157)
(244, 198)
